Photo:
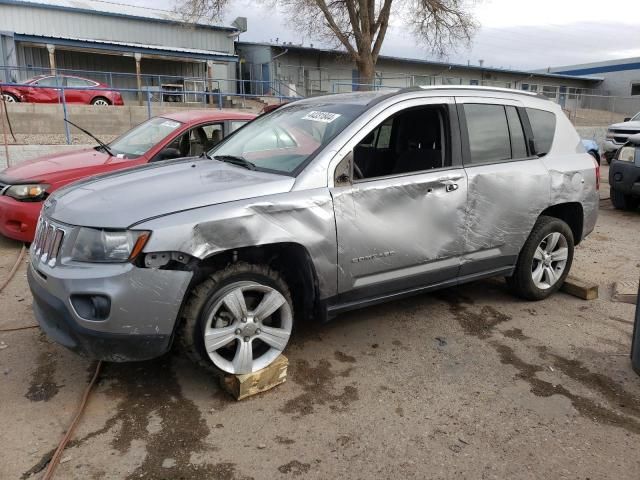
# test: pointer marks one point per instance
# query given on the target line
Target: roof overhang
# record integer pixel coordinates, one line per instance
(124, 48)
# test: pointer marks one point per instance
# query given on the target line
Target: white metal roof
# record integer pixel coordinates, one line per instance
(115, 8)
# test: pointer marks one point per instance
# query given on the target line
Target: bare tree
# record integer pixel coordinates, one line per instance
(360, 26)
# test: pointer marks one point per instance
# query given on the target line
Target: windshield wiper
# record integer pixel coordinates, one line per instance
(100, 142)
(234, 160)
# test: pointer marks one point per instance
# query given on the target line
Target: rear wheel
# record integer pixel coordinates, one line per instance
(238, 320)
(622, 201)
(100, 102)
(9, 98)
(545, 260)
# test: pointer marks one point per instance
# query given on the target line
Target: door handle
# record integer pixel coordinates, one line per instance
(450, 185)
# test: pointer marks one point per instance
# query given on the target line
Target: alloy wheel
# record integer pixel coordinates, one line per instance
(8, 98)
(247, 327)
(549, 260)
(101, 103)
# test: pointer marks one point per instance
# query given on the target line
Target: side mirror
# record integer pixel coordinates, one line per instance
(168, 153)
(342, 174)
(626, 119)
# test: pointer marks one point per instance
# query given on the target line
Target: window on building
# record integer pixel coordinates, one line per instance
(543, 124)
(635, 89)
(549, 91)
(525, 86)
(488, 133)
(533, 88)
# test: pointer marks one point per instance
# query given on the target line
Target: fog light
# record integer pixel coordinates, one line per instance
(91, 307)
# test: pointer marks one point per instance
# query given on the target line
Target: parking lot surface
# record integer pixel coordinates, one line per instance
(468, 382)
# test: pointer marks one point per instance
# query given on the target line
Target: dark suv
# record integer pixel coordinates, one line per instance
(624, 175)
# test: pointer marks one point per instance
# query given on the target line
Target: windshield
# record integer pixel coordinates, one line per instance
(636, 117)
(284, 140)
(141, 139)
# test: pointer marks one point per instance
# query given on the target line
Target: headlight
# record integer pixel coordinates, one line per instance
(627, 154)
(31, 192)
(94, 245)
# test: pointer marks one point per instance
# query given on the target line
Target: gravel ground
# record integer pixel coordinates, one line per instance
(468, 382)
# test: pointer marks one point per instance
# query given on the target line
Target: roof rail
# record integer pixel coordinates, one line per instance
(470, 87)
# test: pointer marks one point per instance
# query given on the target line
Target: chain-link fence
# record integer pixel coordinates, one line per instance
(599, 110)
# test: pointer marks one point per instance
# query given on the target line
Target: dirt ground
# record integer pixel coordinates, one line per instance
(468, 382)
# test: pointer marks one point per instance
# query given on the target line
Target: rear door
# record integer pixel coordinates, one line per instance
(400, 220)
(508, 186)
(77, 90)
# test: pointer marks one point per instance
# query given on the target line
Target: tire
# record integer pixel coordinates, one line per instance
(209, 312)
(100, 102)
(10, 98)
(534, 255)
(622, 201)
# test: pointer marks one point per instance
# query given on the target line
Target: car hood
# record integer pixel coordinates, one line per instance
(635, 125)
(58, 167)
(121, 199)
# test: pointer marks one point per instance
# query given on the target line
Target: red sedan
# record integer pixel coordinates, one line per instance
(41, 89)
(24, 187)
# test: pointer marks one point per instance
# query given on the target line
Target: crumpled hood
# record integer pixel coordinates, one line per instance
(120, 199)
(635, 125)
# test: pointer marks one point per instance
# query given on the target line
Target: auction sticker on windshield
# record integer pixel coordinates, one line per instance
(324, 117)
(170, 124)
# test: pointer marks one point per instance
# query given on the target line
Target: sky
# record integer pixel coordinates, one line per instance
(513, 34)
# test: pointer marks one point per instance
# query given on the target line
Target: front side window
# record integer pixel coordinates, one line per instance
(543, 125)
(49, 82)
(141, 139)
(286, 139)
(413, 140)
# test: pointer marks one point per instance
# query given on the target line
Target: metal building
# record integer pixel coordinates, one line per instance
(140, 47)
(299, 70)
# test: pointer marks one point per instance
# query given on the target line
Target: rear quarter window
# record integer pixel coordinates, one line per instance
(543, 125)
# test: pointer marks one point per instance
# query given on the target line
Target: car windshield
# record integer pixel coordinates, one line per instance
(636, 117)
(141, 139)
(284, 140)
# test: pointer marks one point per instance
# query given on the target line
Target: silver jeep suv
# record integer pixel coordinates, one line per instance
(321, 206)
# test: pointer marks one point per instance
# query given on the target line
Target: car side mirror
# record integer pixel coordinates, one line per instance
(626, 119)
(168, 154)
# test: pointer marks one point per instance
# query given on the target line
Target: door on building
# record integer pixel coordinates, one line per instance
(265, 86)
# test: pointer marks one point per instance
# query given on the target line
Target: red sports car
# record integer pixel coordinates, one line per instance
(24, 187)
(41, 89)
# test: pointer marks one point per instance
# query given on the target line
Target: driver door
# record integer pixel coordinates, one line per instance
(400, 218)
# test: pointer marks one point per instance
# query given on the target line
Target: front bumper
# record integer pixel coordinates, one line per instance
(624, 177)
(144, 308)
(18, 219)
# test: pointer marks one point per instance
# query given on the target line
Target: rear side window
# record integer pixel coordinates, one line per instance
(543, 124)
(488, 133)
(518, 144)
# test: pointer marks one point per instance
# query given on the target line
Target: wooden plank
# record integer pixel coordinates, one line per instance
(625, 291)
(246, 385)
(580, 288)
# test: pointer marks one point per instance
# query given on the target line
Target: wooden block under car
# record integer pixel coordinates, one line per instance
(625, 291)
(248, 384)
(580, 288)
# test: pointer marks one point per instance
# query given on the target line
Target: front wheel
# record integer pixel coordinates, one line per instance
(544, 261)
(9, 98)
(622, 201)
(238, 320)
